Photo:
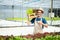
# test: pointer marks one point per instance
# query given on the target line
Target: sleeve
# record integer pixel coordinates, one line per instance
(32, 21)
(44, 21)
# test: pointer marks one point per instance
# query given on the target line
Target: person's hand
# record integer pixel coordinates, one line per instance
(46, 25)
(28, 22)
(40, 23)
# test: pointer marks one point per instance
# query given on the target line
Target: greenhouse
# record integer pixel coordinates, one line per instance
(14, 15)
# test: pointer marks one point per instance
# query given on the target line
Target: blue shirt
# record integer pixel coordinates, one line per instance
(38, 19)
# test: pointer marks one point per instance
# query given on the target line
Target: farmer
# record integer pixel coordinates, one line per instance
(39, 21)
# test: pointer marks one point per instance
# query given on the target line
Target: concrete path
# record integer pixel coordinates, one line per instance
(18, 30)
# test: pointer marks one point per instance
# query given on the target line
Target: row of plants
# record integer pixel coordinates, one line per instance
(38, 36)
(20, 19)
(49, 37)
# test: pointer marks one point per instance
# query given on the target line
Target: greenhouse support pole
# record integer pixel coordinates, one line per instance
(51, 11)
(13, 11)
(22, 13)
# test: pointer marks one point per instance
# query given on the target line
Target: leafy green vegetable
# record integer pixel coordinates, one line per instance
(48, 37)
(29, 11)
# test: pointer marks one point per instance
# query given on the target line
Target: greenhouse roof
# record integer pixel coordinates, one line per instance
(31, 3)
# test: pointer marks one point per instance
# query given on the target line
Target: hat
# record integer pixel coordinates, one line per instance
(40, 9)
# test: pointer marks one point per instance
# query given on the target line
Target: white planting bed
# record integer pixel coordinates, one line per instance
(9, 28)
